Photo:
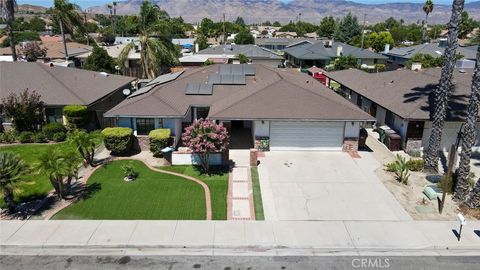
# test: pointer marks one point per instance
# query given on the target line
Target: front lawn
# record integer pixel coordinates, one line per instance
(152, 195)
(36, 183)
(217, 182)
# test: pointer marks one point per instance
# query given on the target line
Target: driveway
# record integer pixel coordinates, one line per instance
(324, 186)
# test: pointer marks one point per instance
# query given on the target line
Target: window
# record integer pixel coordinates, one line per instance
(200, 112)
(145, 125)
(54, 115)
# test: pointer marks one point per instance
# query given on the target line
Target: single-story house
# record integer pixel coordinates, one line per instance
(279, 34)
(60, 86)
(257, 55)
(403, 54)
(402, 100)
(322, 52)
(255, 102)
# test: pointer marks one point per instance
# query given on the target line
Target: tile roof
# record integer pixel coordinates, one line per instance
(270, 94)
(407, 93)
(58, 85)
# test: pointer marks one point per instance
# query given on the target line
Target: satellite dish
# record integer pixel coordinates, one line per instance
(126, 92)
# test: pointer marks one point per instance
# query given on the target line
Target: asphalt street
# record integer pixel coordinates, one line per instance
(237, 262)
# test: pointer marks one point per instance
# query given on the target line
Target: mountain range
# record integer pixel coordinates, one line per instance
(254, 11)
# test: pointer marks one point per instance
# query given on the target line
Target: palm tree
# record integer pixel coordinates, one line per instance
(427, 8)
(59, 166)
(68, 18)
(468, 136)
(86, 145)
(156, 49)
(12, 171)
(473, 200)
(445, 88)
(7, 12)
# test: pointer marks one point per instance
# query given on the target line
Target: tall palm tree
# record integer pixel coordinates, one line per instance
(156, 49)
(468, 136)
(473, 200)
(7, 12)
(12, 171)
(68, 18)
(86, 145)
(427, 8)
(445, 88)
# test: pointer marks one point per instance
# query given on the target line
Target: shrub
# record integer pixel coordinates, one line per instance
(59, 136)
(9, 136)
(118, 140)
(25, 137)
(39, 137)
(159, 139)
(129, 172)
(76, 115)
(390, 167)
(415, 165)
(51, 128)
(401, 170)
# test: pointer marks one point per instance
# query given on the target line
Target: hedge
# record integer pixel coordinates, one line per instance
(52, 128)
(76, 114)
(25, 137)
(118, 140)
(159, 139)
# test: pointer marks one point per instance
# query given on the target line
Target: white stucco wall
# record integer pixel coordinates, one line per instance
(381, 113)
(400, 126)
(193, 159)
(261, 130)
(449, 135)
(352, 131)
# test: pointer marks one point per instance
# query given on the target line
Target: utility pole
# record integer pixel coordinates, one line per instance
(299, 17)
(363, 29)
(224, 32)
(114, 17)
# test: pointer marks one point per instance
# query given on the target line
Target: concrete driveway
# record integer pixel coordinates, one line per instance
(324, 186)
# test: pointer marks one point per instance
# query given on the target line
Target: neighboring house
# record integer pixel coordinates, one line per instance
(185, 43)
(257, 55)
(60, 86)
(403, 54)
(279, 44)
(322, 52)
(285, 34)
(401, 99)
(254, 102)
(126, 40)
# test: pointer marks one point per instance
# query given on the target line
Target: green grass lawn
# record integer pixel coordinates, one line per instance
(36, 183)
(217, 182)
(152, 195)
(257, 195)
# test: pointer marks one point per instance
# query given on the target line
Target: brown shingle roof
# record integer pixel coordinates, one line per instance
(58, 85)
(270, 94)
(407, 93)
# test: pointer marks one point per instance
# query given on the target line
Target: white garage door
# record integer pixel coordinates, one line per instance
(306, 135)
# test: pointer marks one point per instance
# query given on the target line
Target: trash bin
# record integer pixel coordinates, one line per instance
(382, 130)
(362, 140)
(393, 142)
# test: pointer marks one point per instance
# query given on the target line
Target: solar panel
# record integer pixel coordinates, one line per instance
(157, 81)
(242, 69)
(224, 79)
(198, 89)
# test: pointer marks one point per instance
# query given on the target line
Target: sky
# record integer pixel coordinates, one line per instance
(89, 3)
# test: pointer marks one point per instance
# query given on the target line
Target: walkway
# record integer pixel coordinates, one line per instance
(306, 238)
(240, 192)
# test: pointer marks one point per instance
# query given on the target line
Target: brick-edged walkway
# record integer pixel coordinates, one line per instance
(240, 194)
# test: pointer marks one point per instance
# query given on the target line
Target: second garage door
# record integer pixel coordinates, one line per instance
(306, 136)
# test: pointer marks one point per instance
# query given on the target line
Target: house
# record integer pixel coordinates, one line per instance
(60, 86)
(279, 44)
(401, 99)
(403, 54)
(126, 40)
(257, 55)
(255, 102)
(184, 43)
(279, 34)
(320, 53)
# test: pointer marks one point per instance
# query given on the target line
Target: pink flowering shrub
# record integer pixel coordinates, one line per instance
(204, 137)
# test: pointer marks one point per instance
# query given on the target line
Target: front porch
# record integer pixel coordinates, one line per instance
(240, 134)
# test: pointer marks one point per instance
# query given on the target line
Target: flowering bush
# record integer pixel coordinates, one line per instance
(204, 137)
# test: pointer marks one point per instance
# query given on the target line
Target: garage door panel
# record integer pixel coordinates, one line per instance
(306, 135)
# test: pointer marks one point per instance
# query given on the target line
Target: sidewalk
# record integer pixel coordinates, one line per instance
(257, 238)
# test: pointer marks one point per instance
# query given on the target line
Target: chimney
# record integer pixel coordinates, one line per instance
(339, 50)
(387, 48)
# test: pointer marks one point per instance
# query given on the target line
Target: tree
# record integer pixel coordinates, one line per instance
(466, 26)
(427, 8)
(86, 145)
(347, 29)
(204, 137)
(12, 171)
(156, 49)
(65, 13)
(7, 11)
(435, 31)
(240, 21)
(444, 89)
(327, 27)
(244, 37)
(36, 24)
(473, 200)
(202, 42)
(31, 51)
(469, 134)
(206, 27)
(243, 59)
(61, 168)
(377, 41)
(25, 110)
(345, 62)
(99, 60)
(21, 37)
(391, 22)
